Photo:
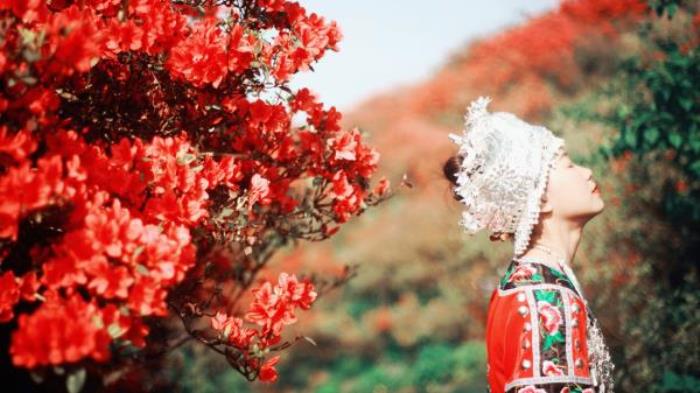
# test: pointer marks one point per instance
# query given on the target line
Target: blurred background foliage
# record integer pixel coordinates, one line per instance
(620, 81)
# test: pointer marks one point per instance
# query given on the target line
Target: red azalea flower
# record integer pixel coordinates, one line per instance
(110, 282)
(259, 190)
(17, 146)
(201, 58)
(382, 187)
(59, 331)
(9, 295)
(267, 371)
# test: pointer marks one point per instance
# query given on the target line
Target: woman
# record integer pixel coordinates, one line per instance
(518, 182)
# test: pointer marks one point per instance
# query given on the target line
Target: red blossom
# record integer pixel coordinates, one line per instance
(259, 190)
(60, 331)
(272, 309)
(17, 146)
(122, 146)
(9, 295)
(201, 58)
(382, 187)
(267, 371)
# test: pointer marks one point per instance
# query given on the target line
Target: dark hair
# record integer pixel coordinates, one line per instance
(450, 169)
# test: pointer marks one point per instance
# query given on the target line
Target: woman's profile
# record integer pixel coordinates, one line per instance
(517, 181)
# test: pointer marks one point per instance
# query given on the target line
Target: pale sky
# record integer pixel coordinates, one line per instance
(389, 43)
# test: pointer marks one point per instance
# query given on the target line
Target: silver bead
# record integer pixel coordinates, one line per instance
(526, 364)
(528, 326)
(522, 310)
(574, 322)
(521, 297)
(574, 307)
(579, 363)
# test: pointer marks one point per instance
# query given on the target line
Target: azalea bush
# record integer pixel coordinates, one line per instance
(152, 160)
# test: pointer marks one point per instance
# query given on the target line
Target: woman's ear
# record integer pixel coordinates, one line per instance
(546, 206)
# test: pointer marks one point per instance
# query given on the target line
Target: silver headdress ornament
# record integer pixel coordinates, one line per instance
(504, 171)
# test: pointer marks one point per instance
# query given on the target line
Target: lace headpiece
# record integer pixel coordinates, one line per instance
(504, 171)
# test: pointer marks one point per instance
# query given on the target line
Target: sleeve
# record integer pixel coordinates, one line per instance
(558, 360)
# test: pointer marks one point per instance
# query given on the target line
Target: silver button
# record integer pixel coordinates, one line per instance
(522, 310)
(574, 307)
(521, 297)
(526, 364)
(579, 363)
(528, 326)
(574, 322)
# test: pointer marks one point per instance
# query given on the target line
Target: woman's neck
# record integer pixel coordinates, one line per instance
(563, 243)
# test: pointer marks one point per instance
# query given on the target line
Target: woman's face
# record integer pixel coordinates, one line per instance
(571, 192)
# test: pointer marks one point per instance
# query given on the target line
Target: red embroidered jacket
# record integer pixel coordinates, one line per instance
(536, 333)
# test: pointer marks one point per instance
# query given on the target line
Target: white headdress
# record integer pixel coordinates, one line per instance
(504, 171)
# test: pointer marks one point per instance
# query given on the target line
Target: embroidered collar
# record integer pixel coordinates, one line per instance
(522, 273)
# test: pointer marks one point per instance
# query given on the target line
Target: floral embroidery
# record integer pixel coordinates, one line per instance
(520, 274)
(524, 272)
(551, 368)
(553, 388)
(551, 316)
(531, 389)
(550, 308)
(551, 311)
(576, 389)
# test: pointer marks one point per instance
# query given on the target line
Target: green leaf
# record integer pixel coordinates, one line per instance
(115, 330)
(671, 9)
(675, 139)
(225, 212)
(76, 380)
(551, 339)
(186, 159)
(143, 270)
(651, 135)
(37, 376)
(695, 168)
(547, 296)
(28, 36)
(630, 138)
(686, 103)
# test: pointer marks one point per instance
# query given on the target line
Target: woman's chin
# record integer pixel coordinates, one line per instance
(600, 205)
